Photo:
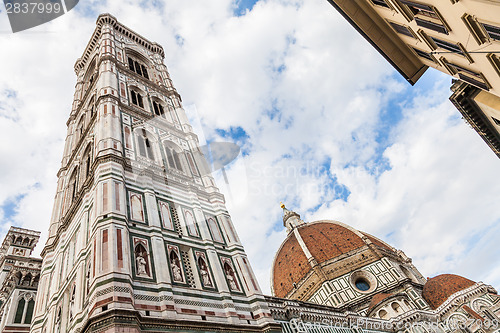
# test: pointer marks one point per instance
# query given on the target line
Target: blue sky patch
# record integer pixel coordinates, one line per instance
(241, 6)
(11, 205)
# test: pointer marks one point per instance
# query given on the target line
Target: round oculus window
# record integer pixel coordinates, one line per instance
(363, 281)
(362, 284)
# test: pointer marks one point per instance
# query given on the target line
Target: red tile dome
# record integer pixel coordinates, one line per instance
(438, 289)
(377, 299)
(325, 240)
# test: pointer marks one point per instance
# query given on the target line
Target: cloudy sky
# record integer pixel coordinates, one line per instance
(324, 123)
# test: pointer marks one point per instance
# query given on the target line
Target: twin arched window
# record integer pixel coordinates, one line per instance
(138, 68)
(24, 312)
(136, 98)
(173, 159)
(158, 109)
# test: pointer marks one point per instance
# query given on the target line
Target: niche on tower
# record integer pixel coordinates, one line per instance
(232, 279)
(143, 267)
(175, 264)
(204, 270)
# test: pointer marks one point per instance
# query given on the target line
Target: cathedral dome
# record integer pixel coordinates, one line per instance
(311, 243)
(437, 290)
(377, 299)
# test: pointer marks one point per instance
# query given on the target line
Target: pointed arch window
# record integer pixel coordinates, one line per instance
(87, 278)
(86, 162)
(192, 166)
(173, 159)
(29, 311)
(79, 129)
(71, 189)
(138, 67)
(72, 302)
(136, 98)
(158, 109)
(24, 311)
(58, 320)
(20, 311)
(145, 145)
(91, 107)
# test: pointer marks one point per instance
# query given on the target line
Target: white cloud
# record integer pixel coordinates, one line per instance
(310, 94)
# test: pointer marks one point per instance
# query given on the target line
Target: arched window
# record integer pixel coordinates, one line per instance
(172, 152)
(396, 307)
(35, 280)
(79, 129)
(86, 163)
(72, 183)
(158, 109)
(137, 67)
(24, 311)
(29, 311)
(27, 279)
(87, 277)
(71, 189)
(20, 311)
(72, 302)
(90, 75)
(192, 166)
(18, 277)
(145, 145)
(58, 320)
(136, 98)
(91, 107)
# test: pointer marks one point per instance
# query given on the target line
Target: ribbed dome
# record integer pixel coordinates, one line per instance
(325, 240)
(437, 290)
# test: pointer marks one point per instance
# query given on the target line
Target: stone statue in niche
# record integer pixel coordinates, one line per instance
(230, 277)
(205, 276)
(141, 264)
(176, 267)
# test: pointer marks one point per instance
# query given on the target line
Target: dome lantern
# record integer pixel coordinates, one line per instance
(291, 219)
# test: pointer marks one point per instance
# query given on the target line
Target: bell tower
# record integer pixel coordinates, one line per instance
(140, 237)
